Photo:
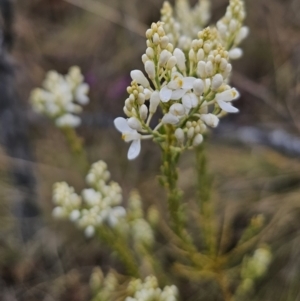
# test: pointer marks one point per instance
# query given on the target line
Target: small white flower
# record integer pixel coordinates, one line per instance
(128, 134)
(115, 214)
(91, 196)
(68, 120)
(235, 53)
(189, 100)
(89, 231)
(176, 88)
(74, 215)
(210, 119)
(177, 109)
(81, 94)
(223, 99)
(170, 119)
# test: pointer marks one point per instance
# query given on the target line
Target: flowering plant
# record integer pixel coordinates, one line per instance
(184, 91)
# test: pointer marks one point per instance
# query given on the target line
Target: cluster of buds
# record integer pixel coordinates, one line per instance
(139, 228)
(149, 290)
(254, 268)
(184, 22)
(190, 89)
(61, 97)
(231, 30)
(97, 205)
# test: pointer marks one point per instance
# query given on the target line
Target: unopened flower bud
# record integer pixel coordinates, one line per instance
(147, 93)
(217, 81)
(200, 54)
(235, 53)
(198, 86)
(191, 132)
(150, 69)
(179, 134)
(141, 98)
(171, 62)
(134, 123)
(149, 33)
(140, 78)
(192, 55)
(177, 109)
(154, 102)
(210, 119)
(164, 57)
(243, 33)
(180, 57)
(209, 69)
(197, 140)
(150, 52)
(156, 39)
(145, 58)
(143, 112)
(201, 69)
(164, 41)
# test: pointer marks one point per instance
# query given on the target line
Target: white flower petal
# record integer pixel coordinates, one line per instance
(170, 119)
(134, 149)
(177, 94)
(227, 107)
(122, 125)
(165, 94)
(131, 136)
(228, 95)
(186, 101)
(188, 82)
(174, 84)
(140, 78)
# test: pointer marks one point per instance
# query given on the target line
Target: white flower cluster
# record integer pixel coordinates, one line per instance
(61, 97)
(149, 291)
(96, 205)
(231, 30)
(189, 88)
(184, 22)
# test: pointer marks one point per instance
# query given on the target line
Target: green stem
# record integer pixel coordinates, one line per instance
(204, 200)
(76, 146)
(170, 177)
(120, 247)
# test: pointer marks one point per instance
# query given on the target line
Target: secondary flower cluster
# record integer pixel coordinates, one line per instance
(109, 288)
(255, 267)
(189, 88)
(61, 97)
(139, 228)
(97, 205)
(149, 291)
(184, 22)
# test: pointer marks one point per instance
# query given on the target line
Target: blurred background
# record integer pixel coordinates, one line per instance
(253, 156)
